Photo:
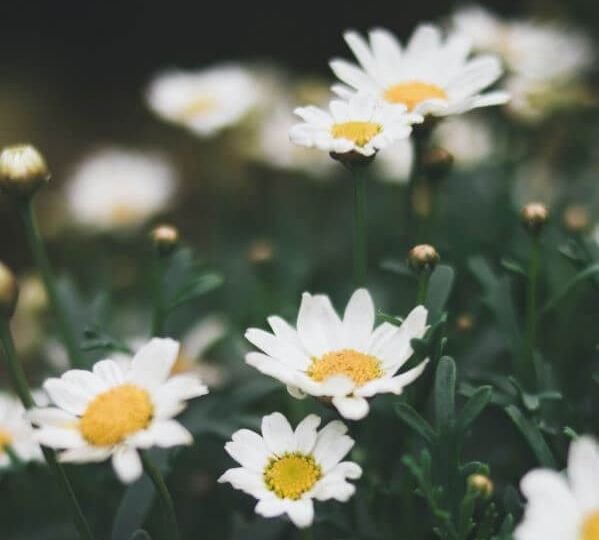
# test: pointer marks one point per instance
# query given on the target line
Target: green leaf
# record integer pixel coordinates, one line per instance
(533, 436)
(513, 267)
(439, 288)
(474, 407)
(411, 417)
(397, 267)
(578, 278)
(445, 378)
(392, 319)
(197, 287)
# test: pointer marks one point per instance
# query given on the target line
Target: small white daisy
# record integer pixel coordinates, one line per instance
(467, 138)
(286, 470)
(110, 412)
(346, 360)
(116, 188)
(204, 101)
(16, 432)
(563, 507)
(431, 76)
(362, 124)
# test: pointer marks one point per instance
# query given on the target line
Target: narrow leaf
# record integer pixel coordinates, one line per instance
(533, 436)
(409, 415)
(474, 407)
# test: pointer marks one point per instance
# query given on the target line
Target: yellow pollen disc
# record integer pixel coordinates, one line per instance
(115, 414)
(361, 133)
(5, 440)
(590, 527)
(197, 107)
(358, 366)
(292, 475)
(413, 92)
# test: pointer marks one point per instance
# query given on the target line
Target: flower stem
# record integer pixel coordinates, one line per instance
(360, 245)
(423, 280)
(528, 367)
(159, 314)
(165, 497)
(27, 215)
(307, 533)
(22, 388)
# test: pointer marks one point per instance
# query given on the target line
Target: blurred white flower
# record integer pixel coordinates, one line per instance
(115, 188)
(16, 432)
(110, 412)
(396, 162)
(563, 507)
(286, 470)
(431, 76)
(346, 360)
(204, 101)
(469, 140)
(362, 124)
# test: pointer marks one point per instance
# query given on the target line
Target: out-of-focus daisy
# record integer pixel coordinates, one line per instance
(204, 101)
(110, 412)
(362, 124)
(431, 76)
(16, 433)
(347, 360)
(468, 139)
(563, 507)
(286, 470)
(116, 189)
(395, 164)
(27, 322)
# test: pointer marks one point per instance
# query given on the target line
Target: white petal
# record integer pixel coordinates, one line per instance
(358, 320)
(249, 450)
(110, 372)
(283, 330)
(85, 454)
(273, 368)
(165, 434)
(271, 507)
(393, 385)
(152, 364)
(283, 351)
(362, 52)
(353, 76)
(330, 453)
(277, 433)
(86, 381)
(51, 416)
(306, 433)
(247, 481)
(312, 326)
(301, 512)
(127, 464)
(352, 408)
(182, 387)
(67, 396)
(59, 438)
(583, 472)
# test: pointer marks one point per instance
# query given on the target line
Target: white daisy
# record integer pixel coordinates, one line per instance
(430, 76)
(110, 412)
(362, 124)
(116, 188)
(563, 507)
(286, 470)
(204, 101)
(346, 360)
(16, 433)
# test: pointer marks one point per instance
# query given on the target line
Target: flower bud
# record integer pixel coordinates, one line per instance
(352, 159)
(22, 170)
(8, 292)
(165, 239)
(481, 484)
(437, 162)
(260, 251)
(423, 257)
(534, 217)
(464, 323)
(576, 218)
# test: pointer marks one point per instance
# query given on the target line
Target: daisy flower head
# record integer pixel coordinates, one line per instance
(564, 507)
(362, 124)
(116, 189)
(346, 359)
(286, 469)
(204, 101)
(16, 433)
(117, 408)
(430, 76)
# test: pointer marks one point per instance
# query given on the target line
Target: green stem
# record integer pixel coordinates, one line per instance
(165, 497)
(40, 257)
(360, 244)
(159, 314)
(22, 388)
(423, 280)
(528, 367)
(306, 534)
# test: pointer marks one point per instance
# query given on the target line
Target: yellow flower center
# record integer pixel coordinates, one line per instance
(292, 475)
(412, 93)
(5, 440)
(115, 414)
(358, 366)
(590, 527)
(361, 133)
(196, 107)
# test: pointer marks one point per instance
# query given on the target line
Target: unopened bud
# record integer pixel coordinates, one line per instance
(165, 238)
(260, 251)
(423, 257)
(481, 484)
(576, 218)
(534, 217)
(8, 292)
(464, 322)
(22, 170)
(437, 162)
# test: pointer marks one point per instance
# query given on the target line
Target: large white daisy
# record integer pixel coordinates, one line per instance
(110, 412)
(430, 76)
(564, 507)
(362, 124)
(286, 470)
(204, 101)
(347, 360)
(16, 433)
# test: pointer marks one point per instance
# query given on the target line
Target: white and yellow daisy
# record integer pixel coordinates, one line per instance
(110, 412)
(563, 507)
(286, 470)
(16, 433)
(362, 124)
(431, 76)
(116, 188)
(204, 101)
(347, 360)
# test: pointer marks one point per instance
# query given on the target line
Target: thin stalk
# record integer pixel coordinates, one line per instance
(40, 256)
(360, 243)
(22, 389)
(423, 280)
(159, 313)
(528, 367)
(307, 533)
(165, 497)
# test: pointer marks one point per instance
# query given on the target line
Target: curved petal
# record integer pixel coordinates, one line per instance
(153, 363)
(127, 464)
